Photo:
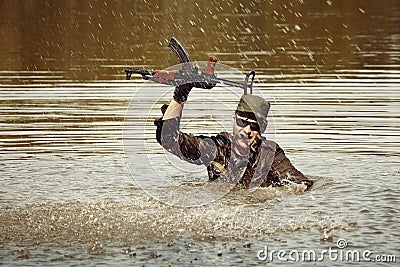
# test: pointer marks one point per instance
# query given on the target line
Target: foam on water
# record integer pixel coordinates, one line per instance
(241, 214)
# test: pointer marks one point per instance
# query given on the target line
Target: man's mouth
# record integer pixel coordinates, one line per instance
(244, 137)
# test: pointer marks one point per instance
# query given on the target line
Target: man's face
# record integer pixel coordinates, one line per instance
(245, 133)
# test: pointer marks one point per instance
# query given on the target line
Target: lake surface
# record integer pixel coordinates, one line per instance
(69, 190)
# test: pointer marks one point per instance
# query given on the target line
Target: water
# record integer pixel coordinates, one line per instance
(331, 70)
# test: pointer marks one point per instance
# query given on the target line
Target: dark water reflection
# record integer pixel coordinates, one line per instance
(331, 70)
(93, 39)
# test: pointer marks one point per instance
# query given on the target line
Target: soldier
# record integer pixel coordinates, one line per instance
(244, 158)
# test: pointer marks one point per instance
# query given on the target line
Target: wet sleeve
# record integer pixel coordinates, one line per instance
(200, 150)
(283, 169)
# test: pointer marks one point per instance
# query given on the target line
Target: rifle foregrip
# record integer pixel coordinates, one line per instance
(164, 77)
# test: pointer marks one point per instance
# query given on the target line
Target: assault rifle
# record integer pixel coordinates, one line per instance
(189, 73)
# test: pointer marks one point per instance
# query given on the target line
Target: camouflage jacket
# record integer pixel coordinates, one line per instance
(266, 165)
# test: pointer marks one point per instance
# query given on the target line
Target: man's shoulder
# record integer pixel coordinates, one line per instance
(222, 139)
(224, 135)
(269, 144)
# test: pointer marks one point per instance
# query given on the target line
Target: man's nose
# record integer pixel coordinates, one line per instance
(247, 129)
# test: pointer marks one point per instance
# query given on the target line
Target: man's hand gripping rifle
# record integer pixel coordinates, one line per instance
(189, 74)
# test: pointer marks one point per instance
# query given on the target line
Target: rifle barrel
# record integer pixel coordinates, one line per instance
(228, 82)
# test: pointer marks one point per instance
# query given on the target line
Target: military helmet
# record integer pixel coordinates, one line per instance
(256, 105)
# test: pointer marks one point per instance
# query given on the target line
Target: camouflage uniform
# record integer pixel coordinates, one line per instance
(266, 164)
